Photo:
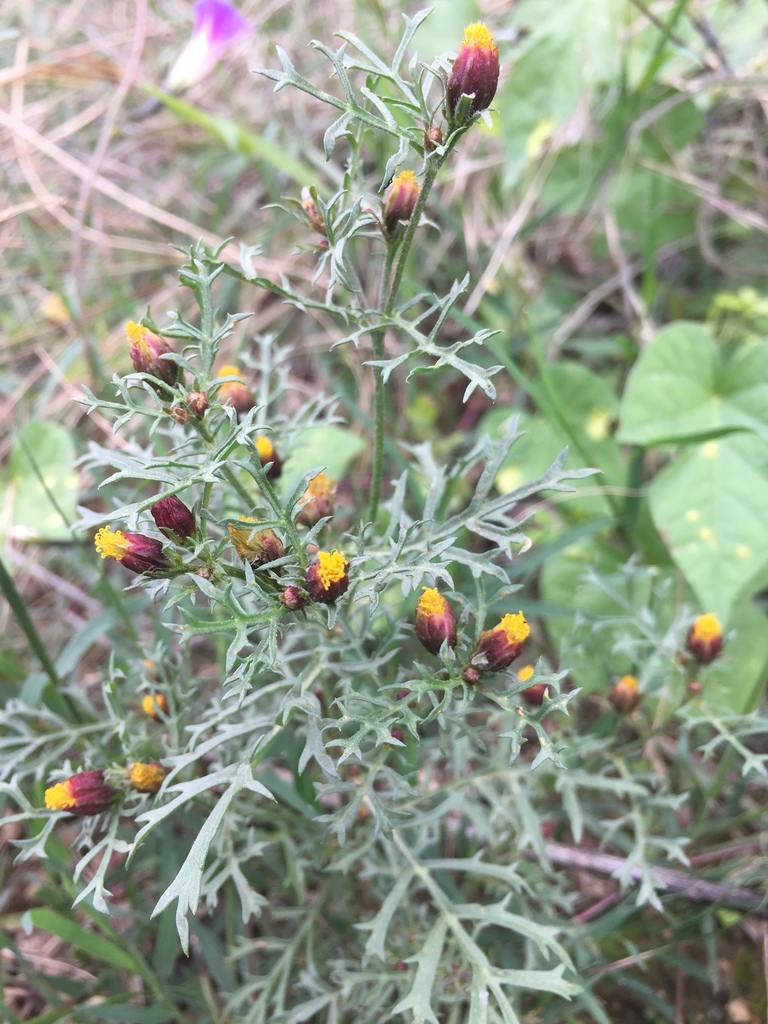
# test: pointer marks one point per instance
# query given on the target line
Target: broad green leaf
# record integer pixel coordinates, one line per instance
(679, 389)
(736, 679)
(40, 497)
(92, 943)
(711, 507)
(332, 446)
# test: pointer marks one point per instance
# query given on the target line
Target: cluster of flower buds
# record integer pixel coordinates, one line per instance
(92, 792)
(705, 639)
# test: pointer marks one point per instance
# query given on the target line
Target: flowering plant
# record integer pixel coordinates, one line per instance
(313, 716)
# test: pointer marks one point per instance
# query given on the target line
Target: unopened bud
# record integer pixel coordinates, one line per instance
(310, 208)
(83, 794)
(498, 647)
(179, 413)
(475, 71)
(433, 137)
(136, 552)
(435, 621)
(253, 545)
(317, 502)
(173, 516)
(268, 454)
(198, 403)
(705, 639)
(235, 392)
(625, 694)
(400, 202)
(146, 348)
(293, 599)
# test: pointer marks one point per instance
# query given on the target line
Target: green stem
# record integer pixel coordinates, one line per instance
(389, 292)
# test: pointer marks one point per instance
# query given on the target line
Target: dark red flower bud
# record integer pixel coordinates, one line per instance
(400, 202)
(146, 349)
(625, 694)
(179, 413)
(475, 71)
(435, 621)
(268, 454)
(433, 137)
(534, 695)
(317, 502)
(293, 599)
(695, 688)
(253, 545)
(705, 639)
(82, 794)
(235, 392)
(397, 734)
(471, 676)
(173, 516)
(328, 577)
(402, 694)
(310, 208)
(498, 647)
(198, 403)
(138, 553)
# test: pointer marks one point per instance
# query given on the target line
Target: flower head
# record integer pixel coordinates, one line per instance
(146, 348)
(82, 794)
(498, 647)
(435, 621)
(173, 516)
(317, 502)
(705, 638)
(217, 26)
(253, 545)
(293, 599)
(138, 553)
(475, 72)
(267, 455)
(154, 702)
(400, 201)
(235, 392)
(146, 778)
(625, 694)
(328, 577)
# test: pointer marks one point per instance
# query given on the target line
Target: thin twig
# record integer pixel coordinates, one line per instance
(676, 882)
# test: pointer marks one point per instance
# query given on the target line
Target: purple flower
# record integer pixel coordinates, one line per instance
(217, 26)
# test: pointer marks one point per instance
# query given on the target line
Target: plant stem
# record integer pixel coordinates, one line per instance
(389, 292)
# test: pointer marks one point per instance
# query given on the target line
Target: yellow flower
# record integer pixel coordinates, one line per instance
(498, 647)
(525, 673)
(154, 702)
(328, 577)
(146, 778)
(435, 620)
(705, 638)
(625, 694)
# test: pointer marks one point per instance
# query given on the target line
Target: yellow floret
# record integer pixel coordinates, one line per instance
(154, 702)
(319, 486)
(111, 543)
(706, 628)
(525, 673)
(264, 447)
(331, 568)
(59, 797)
(231, 371)
(147, 778)
(134, 332)
(515, 628)
(430, 602)
(477, 35)
(628, 683)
